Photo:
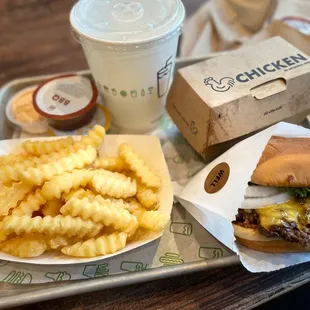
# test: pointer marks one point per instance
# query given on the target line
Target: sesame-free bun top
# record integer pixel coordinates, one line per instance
(284, 163)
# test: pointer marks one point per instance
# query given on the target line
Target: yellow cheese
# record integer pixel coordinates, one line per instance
(23, 109)
(290, 211)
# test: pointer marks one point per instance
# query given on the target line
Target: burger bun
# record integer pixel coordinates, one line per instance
(253, 239)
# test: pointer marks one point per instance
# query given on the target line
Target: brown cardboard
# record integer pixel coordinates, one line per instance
(225, 98)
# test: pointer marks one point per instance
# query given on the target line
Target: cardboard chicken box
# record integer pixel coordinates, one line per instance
(218, 102)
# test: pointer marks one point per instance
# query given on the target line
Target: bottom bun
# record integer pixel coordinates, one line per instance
(252, 239)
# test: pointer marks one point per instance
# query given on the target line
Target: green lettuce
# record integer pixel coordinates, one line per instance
(299, 192)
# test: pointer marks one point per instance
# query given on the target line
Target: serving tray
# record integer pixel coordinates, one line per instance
(17, 290)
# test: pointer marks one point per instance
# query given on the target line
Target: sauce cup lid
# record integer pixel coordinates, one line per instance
(65, 97)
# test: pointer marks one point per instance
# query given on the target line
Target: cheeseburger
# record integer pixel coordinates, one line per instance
(275, 214)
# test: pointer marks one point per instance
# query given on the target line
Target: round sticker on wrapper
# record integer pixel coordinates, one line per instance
(65, 97)
(217, 178)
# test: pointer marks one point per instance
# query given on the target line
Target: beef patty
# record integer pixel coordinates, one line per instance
(288, 231)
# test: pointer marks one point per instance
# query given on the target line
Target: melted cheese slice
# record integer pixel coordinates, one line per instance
(290, 211)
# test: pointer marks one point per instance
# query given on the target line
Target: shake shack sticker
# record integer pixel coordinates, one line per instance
(217, 178)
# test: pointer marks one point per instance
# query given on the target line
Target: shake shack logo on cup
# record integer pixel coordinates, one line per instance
(285, 64)
(164, 78)
(126, 93)
(217, 178)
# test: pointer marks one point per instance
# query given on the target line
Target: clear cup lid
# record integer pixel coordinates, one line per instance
(127, 21)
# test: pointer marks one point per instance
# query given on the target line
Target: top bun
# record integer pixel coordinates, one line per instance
(284, 163)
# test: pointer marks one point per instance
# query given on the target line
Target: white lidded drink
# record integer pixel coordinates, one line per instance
(131, 48)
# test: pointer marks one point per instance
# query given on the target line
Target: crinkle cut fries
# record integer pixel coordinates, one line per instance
(60, 196)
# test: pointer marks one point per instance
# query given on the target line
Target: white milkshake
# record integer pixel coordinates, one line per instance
(131, 48)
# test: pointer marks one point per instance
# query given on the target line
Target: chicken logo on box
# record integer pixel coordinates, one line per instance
(223, 85)
(285, 64)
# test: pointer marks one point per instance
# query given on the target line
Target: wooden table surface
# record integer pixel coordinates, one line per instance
(35, 39)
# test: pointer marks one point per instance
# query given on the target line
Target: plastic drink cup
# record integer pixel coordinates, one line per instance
(130, 47)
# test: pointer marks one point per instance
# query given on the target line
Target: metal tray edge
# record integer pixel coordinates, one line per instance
(92, 285)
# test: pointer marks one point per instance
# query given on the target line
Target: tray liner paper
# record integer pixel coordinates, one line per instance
(184, 239)
(216, 211)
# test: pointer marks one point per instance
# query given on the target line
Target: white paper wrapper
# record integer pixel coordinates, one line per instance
(216, 211)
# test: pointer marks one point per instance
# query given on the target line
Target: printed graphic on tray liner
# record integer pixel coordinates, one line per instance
(58, 276)
(171, 259)
(94, 271)
(184, 229)
(210, 252)
(133, 266)
(18, 277)
(3, 263)
(180, 159)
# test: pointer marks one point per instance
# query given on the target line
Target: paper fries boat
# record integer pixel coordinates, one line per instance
(149, 148)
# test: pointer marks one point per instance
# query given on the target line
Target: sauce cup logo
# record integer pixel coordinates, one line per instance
(223, 85)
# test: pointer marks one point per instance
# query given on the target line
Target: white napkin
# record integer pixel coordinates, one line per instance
(224, 24)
